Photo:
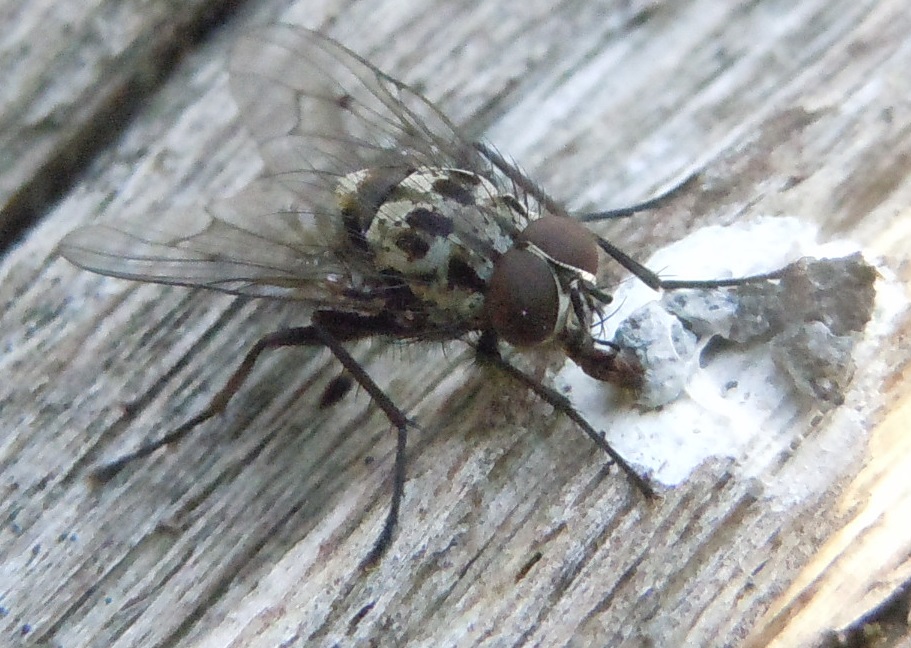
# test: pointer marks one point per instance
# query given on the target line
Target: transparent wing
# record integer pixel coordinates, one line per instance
(262, 242)
(318, 112)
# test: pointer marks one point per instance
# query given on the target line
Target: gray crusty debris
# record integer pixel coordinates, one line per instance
(810, 317)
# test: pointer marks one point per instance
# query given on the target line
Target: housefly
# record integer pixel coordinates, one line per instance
(382, 219)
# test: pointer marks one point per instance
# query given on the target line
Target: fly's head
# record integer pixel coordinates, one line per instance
(543, 290)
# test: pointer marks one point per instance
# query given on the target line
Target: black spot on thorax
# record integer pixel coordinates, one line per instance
(449, 188)
(412, 244)
(429, 221)
(461, 275)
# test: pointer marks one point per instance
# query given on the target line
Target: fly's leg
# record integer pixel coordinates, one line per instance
(653, 281)
(298, 336)
(510, 171)
(488, 351)
(644, 274)
(393, 413)
(327, 329)
(654, 202)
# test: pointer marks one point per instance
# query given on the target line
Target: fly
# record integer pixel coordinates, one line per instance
(384, 220)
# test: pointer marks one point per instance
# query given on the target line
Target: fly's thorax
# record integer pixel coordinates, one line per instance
(440, 231)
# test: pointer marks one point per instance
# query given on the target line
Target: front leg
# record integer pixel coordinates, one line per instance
(488, 350)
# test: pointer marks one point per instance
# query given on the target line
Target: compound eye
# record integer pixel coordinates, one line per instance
(564, 240)
(522, 300)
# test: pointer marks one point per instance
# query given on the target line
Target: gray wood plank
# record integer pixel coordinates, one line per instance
(73, 73)
(513, 531)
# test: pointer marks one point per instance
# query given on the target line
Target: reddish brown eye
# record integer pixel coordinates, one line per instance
(522, 300)
(564, 240)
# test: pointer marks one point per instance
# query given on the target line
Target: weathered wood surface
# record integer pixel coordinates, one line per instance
(73, 73)
(513, 533)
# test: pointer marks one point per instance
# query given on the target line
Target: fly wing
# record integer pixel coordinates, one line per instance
(262, 242)
(319, 111)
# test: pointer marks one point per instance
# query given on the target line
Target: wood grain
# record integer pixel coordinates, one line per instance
(513, 531)
(74, 73)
